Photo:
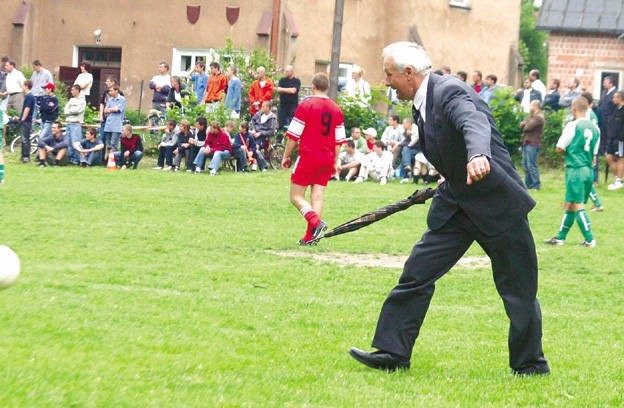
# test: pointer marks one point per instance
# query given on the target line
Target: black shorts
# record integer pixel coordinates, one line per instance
(615, 147)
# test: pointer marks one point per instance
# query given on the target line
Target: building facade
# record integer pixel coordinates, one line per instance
(128, 38)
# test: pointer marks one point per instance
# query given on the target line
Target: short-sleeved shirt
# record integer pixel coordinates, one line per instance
(86, 144)
(580, 139)
(29, 102)
(318, 126)
(289, 101)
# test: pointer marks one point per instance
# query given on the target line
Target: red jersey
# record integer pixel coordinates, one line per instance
(318, 126)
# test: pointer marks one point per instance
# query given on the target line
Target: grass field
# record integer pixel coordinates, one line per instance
(157, 289)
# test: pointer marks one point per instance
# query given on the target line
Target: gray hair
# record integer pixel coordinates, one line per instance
(408, 54)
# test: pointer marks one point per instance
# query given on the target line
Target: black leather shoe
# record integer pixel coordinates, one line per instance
(532, 370)
(380, 360)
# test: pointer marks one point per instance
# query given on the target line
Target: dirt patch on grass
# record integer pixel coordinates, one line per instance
(375, 260)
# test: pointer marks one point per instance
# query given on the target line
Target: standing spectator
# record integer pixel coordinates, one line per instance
(462, 142)
(28, 109)
(168, 143)
(537, 83)
(488, 91)
(110, 81)
(177, 91)
(90, 149)
(3, 74)
(526, 95)
(160, 84)
(1, 146)
(74, 115)
(218, 147)
(357, 87)
(40, 77)
(48, 109)
(579, 141)
(53, 147)
(392, 137)
(183, 147)
(261, 90)
(377, 165)
(115, 110)
(200, 80)
(85, 79)
(13, 82)
(570, 94)
(615, 141)
(288, 90)
(263, 125)
(234, 92)
(551, 100)
(477, 81)
(217, 84)
(131, 151)
(606, 107)
(462, 76)
(318, 129)
(532, 128)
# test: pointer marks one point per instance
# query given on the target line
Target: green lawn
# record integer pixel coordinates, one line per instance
(146, 288)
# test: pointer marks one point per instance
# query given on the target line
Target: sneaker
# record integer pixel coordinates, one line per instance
(157, 168)
(175, 168)
(554, 241)
(317, 234)
(189, 171)
(407, 169)
(264, 170)
(359, 180)
(42, 164)
(383, 181)
(589, 244)
(25, 159)
(254, 167)
(404, 181)
(197, 171)
(598, 209)
(166, 168)
(615, 186)
(213, 172)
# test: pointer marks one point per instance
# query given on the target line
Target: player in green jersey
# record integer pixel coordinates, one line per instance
(579, 141)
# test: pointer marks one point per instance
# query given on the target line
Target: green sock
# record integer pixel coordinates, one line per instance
(566, 224)
(594, 197)
(1, 172)
(583, 222)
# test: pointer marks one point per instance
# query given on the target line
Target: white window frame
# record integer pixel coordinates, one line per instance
(598, 80)
(208, 55)
(464, 4)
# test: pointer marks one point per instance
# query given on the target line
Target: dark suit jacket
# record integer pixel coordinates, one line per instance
(459, 125)
(551, 100)
(533, 96)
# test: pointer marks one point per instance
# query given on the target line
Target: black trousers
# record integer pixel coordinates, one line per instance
(514, 263)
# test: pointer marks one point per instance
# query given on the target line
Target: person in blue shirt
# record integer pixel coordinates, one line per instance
(115, 110)
(200, 79)
(48, 109)
(90, 149)
(233, 96)
(53, 147)
(28, 109)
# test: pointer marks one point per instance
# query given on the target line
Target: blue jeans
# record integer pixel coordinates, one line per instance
(529, 164)
(111, 140)
(46, 130)
(92, 158)
(133, 159)
(407, 158)
(217, 158)
(74, 134)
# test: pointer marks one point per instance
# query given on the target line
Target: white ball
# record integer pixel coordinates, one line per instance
(9, 267)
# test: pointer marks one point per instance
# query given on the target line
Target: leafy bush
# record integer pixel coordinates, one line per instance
(362, 114)
(508, 115)
(552, 131)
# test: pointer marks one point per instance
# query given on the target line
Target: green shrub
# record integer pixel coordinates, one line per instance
(552, 131)
(508, 115)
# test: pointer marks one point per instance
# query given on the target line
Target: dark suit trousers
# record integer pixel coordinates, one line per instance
(514, 263)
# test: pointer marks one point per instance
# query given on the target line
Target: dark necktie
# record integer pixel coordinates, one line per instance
(421, 127)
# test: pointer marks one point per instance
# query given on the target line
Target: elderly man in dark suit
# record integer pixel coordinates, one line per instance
(482, 198)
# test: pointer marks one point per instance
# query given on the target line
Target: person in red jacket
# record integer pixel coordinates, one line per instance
(261, 90)
(217, 147)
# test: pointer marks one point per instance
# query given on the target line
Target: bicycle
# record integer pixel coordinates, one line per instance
(273, 153)
(16, 143)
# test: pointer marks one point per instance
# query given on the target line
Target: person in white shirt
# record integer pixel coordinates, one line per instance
(357, 86)
(537, 84)
(40, 77)
(377, 166)
(349, 161)
(13, 84)
(85, 79)
(161, 84)
(392, 137)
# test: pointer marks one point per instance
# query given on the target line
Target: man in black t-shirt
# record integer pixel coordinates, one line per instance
(288, 90)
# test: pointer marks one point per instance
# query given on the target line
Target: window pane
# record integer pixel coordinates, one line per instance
(185, 62)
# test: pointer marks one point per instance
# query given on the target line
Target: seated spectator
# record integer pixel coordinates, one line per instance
(409, 149)
(90, 149)
(167, 144)
(197, 141)
(371, 137)
(218, 147)
(53, 148)
(131, 151)
(263, 125)
(243, 147)
(392, 138)
(350, 161)
(360, 143)
(377, 165)
(183, 147)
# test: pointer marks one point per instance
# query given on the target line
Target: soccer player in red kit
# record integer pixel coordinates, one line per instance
(318, 128)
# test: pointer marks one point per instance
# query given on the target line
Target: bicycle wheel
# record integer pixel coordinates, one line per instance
(275, 156)
(16, 144)
(34, 141)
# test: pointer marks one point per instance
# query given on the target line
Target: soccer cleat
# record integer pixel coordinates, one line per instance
(589, 244)
(317, 233)
(306, 243)
(598, 209)
(554, 241)
(615, 186)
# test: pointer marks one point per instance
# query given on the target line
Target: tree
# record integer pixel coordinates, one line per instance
(532, 42)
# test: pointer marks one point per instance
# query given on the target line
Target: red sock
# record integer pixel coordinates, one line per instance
(311, 217)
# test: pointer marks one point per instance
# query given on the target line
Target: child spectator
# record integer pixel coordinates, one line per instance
(183, 148)
(168, 142)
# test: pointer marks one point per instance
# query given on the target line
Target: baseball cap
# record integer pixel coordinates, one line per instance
(371, 131)
(49, 86)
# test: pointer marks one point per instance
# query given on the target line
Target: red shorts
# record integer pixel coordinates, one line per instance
(309, 170)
